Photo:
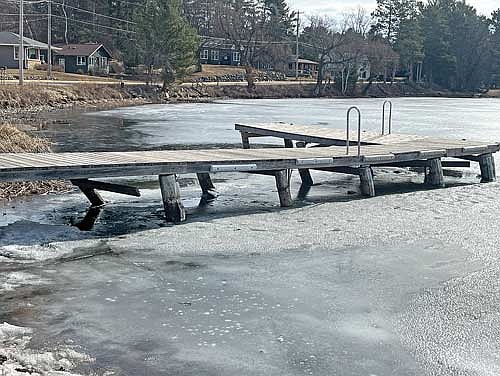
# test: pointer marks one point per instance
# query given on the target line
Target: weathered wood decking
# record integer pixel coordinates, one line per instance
(394, 150)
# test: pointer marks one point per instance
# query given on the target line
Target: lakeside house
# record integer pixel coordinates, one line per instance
(220, 52)
(35, 52)
(360, 64)
(84, 58)
(306, 67)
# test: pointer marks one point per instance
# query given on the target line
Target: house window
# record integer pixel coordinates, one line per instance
(61, 62)
(91, 61)
(215, 55)
(81, 60)
(16, 53)
(236, 57)
(103, 61)
(204, 55)
(32, 54)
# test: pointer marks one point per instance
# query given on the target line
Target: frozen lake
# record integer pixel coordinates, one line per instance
(406, 283)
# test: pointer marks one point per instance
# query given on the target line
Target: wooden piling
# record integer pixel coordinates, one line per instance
(305, 174)
(283, 185)
(434, 175)
(245, 140)
(171, 195)
(367, 182)
(488, 170)
(207, 186)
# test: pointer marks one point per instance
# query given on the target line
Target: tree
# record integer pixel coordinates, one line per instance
(321, 41)
(495, 49)
(410, 46)
(358, 20)
(165, 40)
(388, 16)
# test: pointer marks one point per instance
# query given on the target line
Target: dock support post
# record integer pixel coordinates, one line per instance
(245, 140)
(367, 182)
(171, 195)
(283, 185)
(434, 173)
(207, 186)
(95, 198)
(305, 174)
(487, 164)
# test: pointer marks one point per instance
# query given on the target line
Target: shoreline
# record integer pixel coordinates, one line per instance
(18, 105)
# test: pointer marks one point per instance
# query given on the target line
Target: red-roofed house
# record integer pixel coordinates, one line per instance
(84, 58)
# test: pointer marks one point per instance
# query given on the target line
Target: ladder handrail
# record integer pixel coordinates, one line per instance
(387, 102)
(353, 108)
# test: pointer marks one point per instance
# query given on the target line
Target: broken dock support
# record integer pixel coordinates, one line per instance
(89, 187)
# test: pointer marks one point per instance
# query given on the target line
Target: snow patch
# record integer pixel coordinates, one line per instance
(16, 359)
(13, 280)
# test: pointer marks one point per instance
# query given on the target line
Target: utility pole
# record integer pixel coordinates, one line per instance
(20, 54)
(49, 40)
(297, 48)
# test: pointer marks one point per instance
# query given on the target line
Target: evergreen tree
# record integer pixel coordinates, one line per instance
(389, 14)
(165, 39)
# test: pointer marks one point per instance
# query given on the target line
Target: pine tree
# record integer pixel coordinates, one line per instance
(389, 14)
(165, 39)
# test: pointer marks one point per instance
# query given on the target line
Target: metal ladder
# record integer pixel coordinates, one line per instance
(383, 116)
(353, 108)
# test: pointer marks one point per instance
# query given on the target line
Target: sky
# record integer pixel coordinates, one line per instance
(335, 7)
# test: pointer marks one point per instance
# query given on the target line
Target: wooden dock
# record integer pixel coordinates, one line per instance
(375, 150)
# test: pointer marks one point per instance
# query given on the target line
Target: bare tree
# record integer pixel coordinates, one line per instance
(359, 20)
(322, 40)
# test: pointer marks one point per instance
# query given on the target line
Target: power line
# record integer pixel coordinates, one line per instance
(93, 13)
(94, 24)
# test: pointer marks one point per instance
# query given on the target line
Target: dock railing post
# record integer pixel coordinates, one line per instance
(390, 117)
(353, 108)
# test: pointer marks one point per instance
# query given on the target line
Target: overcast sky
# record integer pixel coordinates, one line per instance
(334, 7)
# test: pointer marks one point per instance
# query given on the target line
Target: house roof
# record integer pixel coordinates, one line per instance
(83, 49)
(219, 43)
(12, 39)
(304, 61)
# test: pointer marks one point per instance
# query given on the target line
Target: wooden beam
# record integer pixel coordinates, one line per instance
(488, 171)
(341, 170)
(171, 194)
(425, 163)
(95, 198)
(367, 182)
(283, 185)
(108, 187)
(434, 175)
(207, 186)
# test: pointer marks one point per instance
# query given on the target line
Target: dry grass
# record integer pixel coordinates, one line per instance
(15, 97)
(12, 140)
(217, 70)
(59, 76)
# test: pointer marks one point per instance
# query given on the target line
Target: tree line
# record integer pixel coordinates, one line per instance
(441, 43)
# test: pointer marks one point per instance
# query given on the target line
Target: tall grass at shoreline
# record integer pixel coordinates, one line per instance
(13, 140)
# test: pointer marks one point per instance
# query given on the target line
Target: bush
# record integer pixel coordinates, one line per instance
(45, 67)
